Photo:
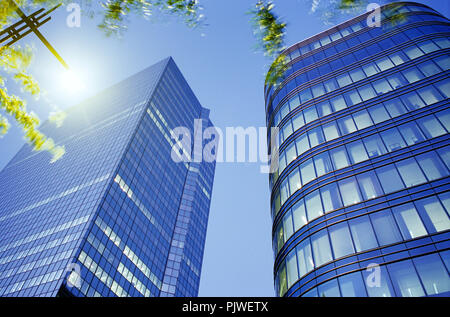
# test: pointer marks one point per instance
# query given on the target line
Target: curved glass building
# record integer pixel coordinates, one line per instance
(361, 200)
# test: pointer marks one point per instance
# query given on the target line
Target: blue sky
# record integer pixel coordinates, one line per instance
(226, 73)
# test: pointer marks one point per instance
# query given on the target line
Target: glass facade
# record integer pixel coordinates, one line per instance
(115, 216)
(362, 189)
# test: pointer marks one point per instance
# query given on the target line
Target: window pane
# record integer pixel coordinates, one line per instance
(341, 240)
(302, 144)
(324, 109)
(392, 139)
(284, 110)
(352, 98)
(330, 85)
(291, 266)
(370, 69)
(307, 171)
(384, 289)
(362, 233)
(366, 92)
(362, 119)
(344, 80)
(330, 197)
(382, 86)
(374, 145)
(395, 107)
(352, 285)
(346, 125)
(329, 289)
(282, 280)
(294, 102)
(378, 113)
(389, 179)
(305, 95)
(444, 87)
(339, 158)
(433, 214)
(294, 181)
(291, 153)
(431, 127)
(412, 101)
(370, 187)
(288, 226)
(322, 163)
(338, 103)
(299, 215)
(310, 114)
(410, 172)
(287, 130)
(432, 166)
(405, 280)
(318, 90)
(409, 221)
(412, 75)
(430, 95)
(298, 121)
(444, 118)
(313, 205)
(280, 237)
(316, 136)
(305, 260)
(445, 155)
(385, 227)
(397, 80)
(330, 130)
(384, 63)
(413, 52)
(357, 152)
(357, 75)
(433, 274)
(411, 133)
(321, 248)
(349, 191)
(429, 68)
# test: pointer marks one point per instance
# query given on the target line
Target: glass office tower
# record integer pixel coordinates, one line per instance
(115, 216)
(361, 202)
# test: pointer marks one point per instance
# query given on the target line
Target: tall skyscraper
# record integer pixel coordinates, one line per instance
(361, 202)
(115, 216)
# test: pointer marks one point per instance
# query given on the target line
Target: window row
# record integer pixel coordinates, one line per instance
(366, 232)
(351, 58)
(368, 185)
(381, 86)
(420, 276)
(392, 139)
(343, 32)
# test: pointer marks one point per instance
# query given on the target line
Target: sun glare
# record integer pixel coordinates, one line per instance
(72, 82)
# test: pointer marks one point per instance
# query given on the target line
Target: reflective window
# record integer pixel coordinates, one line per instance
(382, 86)
(282, 280)
(307, 171)
(410, 172)
(288, 226)
(298, 121)
(374, 146)
(349, 191)
(341, 240)
(389, 179)
(404, 279)
(357, 152)
(322, 163)
(413, 52)
(384, 63)
(433, 274)
(302, 144)
(411, 133)
(316, 136)
(412, 101)
(344, 80)
(330, 197)
(329, 289)
(397, 80)
(392, 139)
(362, 119)
(395, 107)
(321, 248)
(324, 109)
(313, 205)
(432, 166)
(299, 215)
(385, 227)
(338, 103)
(370, 187)
(409, 221)
(433, 214)
(352, 98)
(310, 114)
(431, 127)
(339, 158)
(375, 289)
(352, 285)
(291, 267)
(412, 75)
(378, 114)
(330, 131)
(305, 259)
(346, 125)
(294, 181)
(366, 92)
(362, 233)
